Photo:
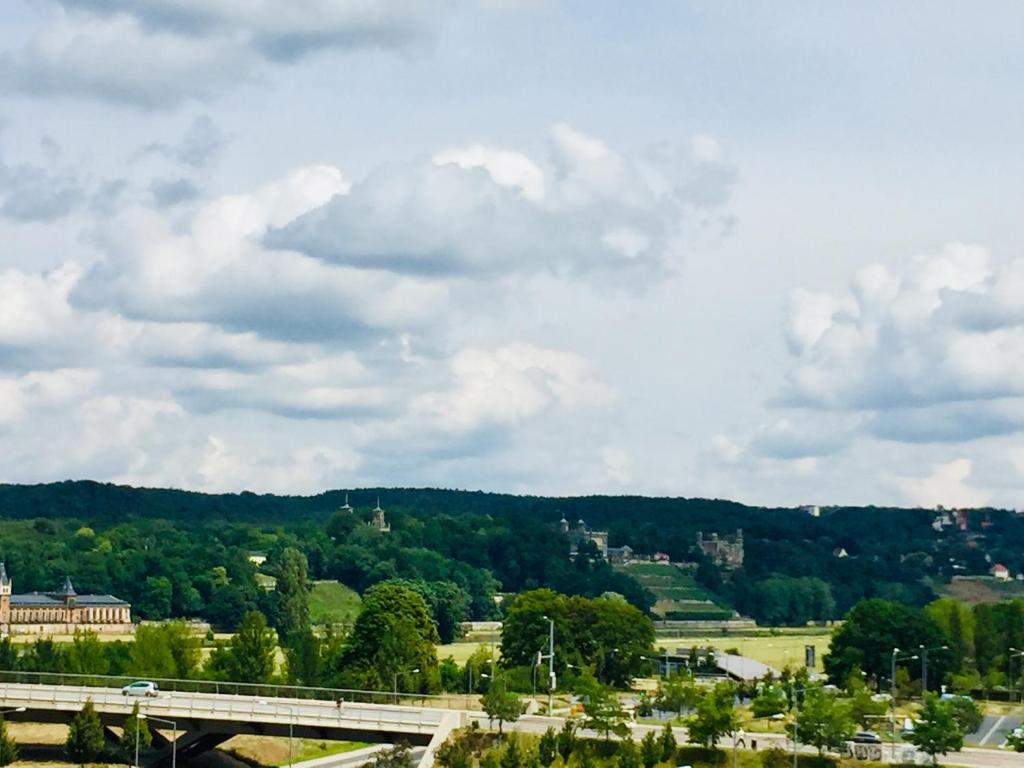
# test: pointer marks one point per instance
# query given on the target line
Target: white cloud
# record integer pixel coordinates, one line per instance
(617, 463)
(481, 212)
(947, 484)
(509, 384)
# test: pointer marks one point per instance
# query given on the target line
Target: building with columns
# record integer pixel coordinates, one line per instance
(61, 612)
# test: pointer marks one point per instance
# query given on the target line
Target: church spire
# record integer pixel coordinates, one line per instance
(4, 578)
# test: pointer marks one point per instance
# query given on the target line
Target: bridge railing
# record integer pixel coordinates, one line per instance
(254, 690)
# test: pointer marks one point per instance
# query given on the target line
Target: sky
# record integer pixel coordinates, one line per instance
(765, 252)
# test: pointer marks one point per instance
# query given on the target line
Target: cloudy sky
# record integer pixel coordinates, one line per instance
(769, 252)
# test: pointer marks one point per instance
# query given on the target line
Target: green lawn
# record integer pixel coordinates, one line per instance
(331, 602)
(676, 591)
(774, 650)
(461, 652)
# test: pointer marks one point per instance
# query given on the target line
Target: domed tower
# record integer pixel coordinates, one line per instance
(5, 598)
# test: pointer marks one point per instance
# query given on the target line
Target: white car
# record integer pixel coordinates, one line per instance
(141, 688)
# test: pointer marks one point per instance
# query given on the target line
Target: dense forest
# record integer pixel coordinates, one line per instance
(177, 553)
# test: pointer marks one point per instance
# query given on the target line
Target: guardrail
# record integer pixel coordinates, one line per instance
(198, 706)
(254, 690)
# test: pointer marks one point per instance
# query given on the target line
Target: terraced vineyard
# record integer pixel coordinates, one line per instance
(678, 594)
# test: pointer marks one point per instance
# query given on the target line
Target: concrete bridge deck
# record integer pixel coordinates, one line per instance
(204, 720)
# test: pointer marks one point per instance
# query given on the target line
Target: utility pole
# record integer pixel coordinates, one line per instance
(924, 666)
(892, 695)
(550, 656)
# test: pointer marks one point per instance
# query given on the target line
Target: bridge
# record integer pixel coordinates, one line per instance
(203, 720)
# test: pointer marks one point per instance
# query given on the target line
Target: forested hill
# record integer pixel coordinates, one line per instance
(797, 566)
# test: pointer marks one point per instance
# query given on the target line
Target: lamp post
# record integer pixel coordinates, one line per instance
(174, 738)
(924, 665)
(551, 663)
(896, 656)
(412, 671)
(291, 723)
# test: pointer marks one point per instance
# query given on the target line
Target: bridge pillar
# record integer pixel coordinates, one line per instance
(188, 745)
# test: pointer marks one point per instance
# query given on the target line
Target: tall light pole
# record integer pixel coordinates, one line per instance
(896, 656)
(174, 738)
(924, 665)
(292, 711)
(551, 663)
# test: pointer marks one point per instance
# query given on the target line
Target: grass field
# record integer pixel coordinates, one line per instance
(461, 652)
(677, 592)
(774, 650)
(273, 751)
(333, 603)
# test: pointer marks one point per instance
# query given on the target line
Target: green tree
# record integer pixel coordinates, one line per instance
(85, 736)
(677, 693)
(85, 655)
(629, 755)
(398, 756)
(512, 757)
(150, 653)
(392, 634)
(304, 658)
(770, 701)
(292, 593)
(936, 731)
(134, 727)
(967, 714)
(547, 747)
(8, 746)
(500, 703)
(567, 740)
(714, 717)
(872, 629)
(602, 710)
(650, 750)
(1016, 742)
(823, 721)
(250, 655)
(668, 743)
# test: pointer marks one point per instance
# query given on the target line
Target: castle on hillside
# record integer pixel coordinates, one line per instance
(378, 521)
(725, 551)
(61, 612)
(579, 533)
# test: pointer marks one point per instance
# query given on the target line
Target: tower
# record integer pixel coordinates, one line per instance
(347, 507)
(67, 595)
(563, 525)
(5, 597)
(378, 519)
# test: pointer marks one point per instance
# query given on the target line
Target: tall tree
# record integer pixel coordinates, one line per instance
(714, 717)
(823, 721)
(650, 750)
(602, 710)
(8, 746)
(392, 635)
(250, 655)
(292, 593)
(304, 658)
(936, 731)
(501, 704)
(85, 655)
(135, 732)
(85, 736)
(547, 747)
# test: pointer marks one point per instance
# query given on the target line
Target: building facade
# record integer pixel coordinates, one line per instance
(61, 612)
(725, 551)
(579, 533)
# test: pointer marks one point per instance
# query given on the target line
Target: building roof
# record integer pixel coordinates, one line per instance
(43, 600)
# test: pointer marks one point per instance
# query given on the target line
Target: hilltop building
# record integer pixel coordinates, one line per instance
(378, 520)
(61, 612)
(811, 509)
(580, 533)
(725, 551)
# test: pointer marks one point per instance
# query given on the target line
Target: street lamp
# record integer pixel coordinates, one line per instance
(174, 737)
(412, 671)
(924, 665)
(9, 711)
(551, 662)
(897, 655)
(292, 711)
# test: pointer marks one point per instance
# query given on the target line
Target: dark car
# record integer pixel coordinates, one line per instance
(866, 737)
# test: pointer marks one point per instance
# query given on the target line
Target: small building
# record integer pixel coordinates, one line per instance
(257, 558)
(620, 555)
(811, 509)
(840, 552)
(1000, 572)
(61, 612)
(661, 557)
